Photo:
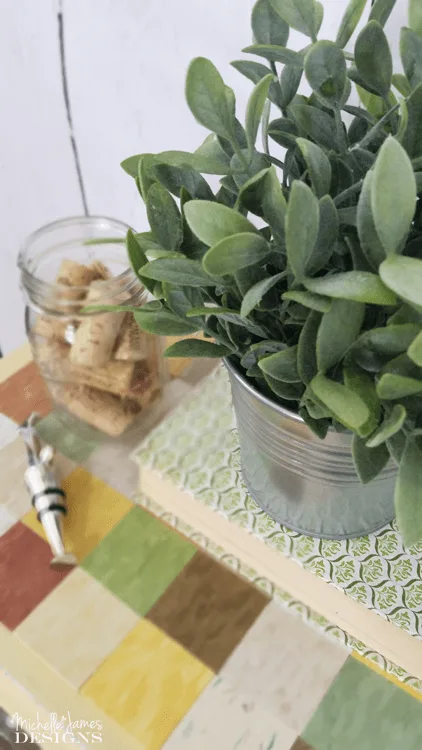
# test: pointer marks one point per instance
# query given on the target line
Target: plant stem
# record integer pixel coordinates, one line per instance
(341, 136)
(352, 190)
(276, 161)
(390, 114)
(376, 128)
(265, 121)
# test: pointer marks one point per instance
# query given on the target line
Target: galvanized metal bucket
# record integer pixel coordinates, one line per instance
(303, 482)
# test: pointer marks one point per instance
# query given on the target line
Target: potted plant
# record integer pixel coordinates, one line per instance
(304, 270)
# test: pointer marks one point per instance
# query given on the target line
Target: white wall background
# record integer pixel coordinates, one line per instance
(126, 62)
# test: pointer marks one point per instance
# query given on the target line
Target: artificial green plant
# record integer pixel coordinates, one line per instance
(305, 268)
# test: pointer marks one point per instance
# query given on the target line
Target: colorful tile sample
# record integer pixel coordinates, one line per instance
(363, 710)
(75, 446)
(94, 509)
(148, 684)
(23, 393)
(25, 574)
(284, 666)
(77, 626)
(222, 718)
(139, 559)
(208, 610)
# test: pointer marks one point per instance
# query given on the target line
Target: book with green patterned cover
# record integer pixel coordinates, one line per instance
(371, 586)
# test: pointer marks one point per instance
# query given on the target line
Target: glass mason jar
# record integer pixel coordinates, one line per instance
(98, 366)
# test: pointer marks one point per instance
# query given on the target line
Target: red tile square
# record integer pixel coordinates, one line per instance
(25, 574)
(23, 393)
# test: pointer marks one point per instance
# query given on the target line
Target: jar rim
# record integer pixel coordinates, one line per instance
(37, 288)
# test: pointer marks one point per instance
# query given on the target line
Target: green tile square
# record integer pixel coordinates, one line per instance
(139, 559)
(364, 711)
(76, 445)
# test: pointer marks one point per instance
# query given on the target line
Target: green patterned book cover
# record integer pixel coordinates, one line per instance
(196, 449)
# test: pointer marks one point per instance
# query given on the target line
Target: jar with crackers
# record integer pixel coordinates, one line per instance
(99, 367)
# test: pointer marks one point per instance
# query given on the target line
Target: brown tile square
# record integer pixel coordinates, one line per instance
(208, 609)
(25, 574)
(23, 393)
(301, 745)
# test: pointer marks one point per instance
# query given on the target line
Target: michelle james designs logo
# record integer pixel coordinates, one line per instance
(58, 730)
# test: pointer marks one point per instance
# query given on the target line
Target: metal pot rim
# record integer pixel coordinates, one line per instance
(263, 399)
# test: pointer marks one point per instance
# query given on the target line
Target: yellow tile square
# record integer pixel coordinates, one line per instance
(77, 626)
(148, 684)
(94, 509)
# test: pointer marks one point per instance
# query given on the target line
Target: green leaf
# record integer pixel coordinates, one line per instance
(349, 22)
(381, 11)
(131, 164)
(181, 271)
(208, 100)
(307, 299)
(235, 252)
(396, 446)
(405, 314)
(274, 204)
(408, 493)
(163, 322)
(389, 341)
(285, 391)
(318, 426)
(196, 348)
(290, 79)
(401, 83)
(268, 27)
(393, 210)
(316, 124)
(306, 352)
(415, 350)
(347, 407)
(146, 176)
(212, 222)
(368, 236)
(283, 131)
(404, 276)
(282, 365)
(275, 53)
(318, 165)
(255, 72)
(302, 222)
(209, 154)
(359, 382)
(339, 328)
(255, 294)
(256, 351)
(391, 386)
(174, 178)
(137, 257)
(373, 58)
(412, 138)
(302, 15)
(255, 109)
(164, 218)
(415, 16)
(390, 426)
(411, 56)
(359, 286)
(369, 462)
(325, 69)
(326, 238)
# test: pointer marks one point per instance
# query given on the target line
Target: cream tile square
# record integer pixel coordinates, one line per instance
(77, 626)
(6, 520)
(221, 718)
(284, 665)
(13, 462)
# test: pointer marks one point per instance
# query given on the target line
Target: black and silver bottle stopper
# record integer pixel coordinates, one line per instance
(47, 497)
